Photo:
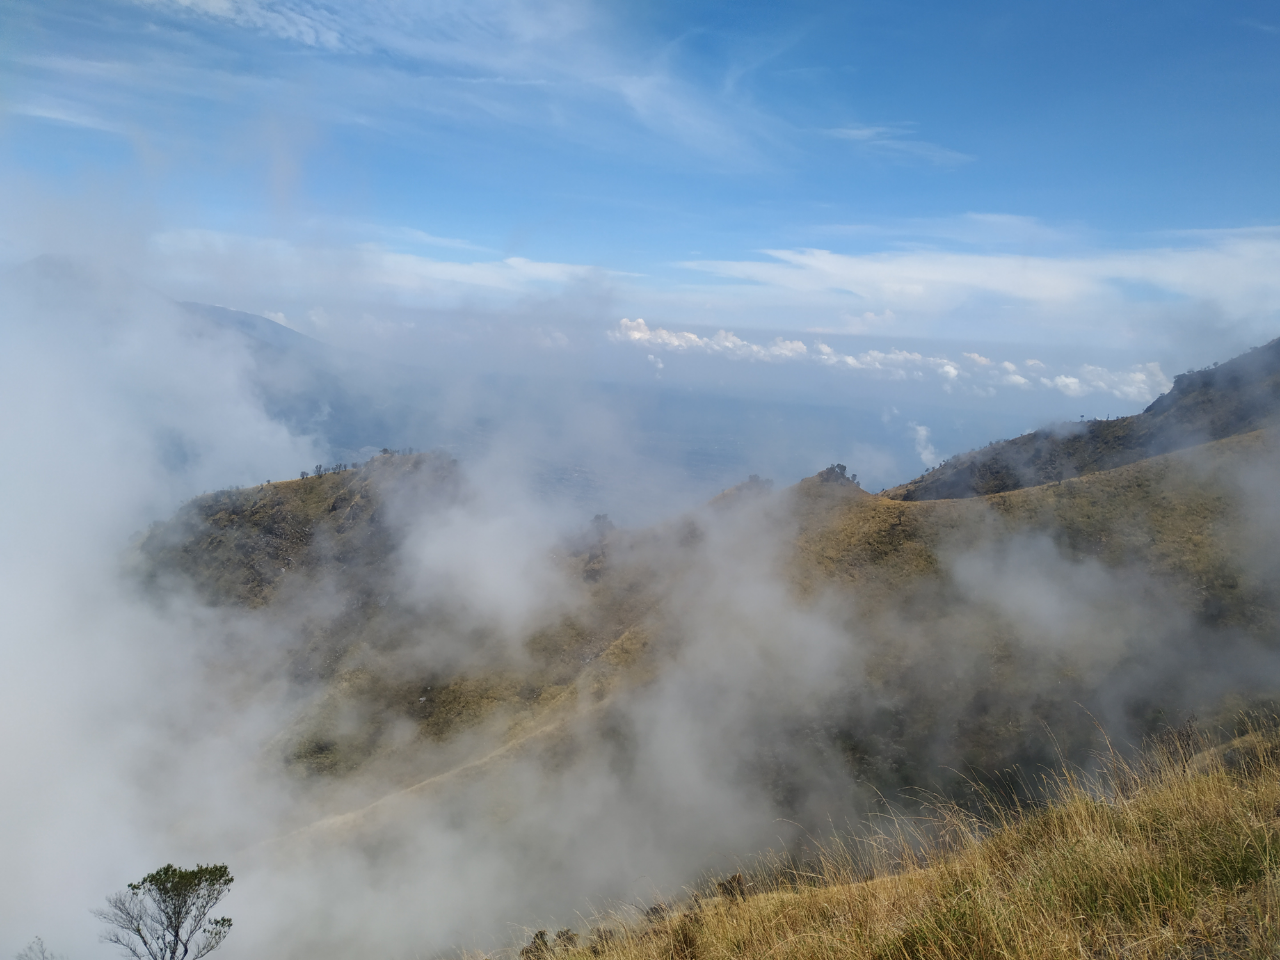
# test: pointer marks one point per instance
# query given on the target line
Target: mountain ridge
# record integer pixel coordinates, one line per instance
(1213, 403)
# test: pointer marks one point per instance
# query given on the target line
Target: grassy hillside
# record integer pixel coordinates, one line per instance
(963, 646)
(247, 547)
(970, 644)
(319, 560)
(950, 679)
(1224, 400)
(1184, 517)
(1177, 855)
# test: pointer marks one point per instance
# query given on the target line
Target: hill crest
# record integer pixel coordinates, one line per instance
(1235, 397)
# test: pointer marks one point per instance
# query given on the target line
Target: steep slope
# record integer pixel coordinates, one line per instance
(1176, 856)
(1226, 399)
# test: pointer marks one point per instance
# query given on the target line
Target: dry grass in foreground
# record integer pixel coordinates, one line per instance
(1174, 855)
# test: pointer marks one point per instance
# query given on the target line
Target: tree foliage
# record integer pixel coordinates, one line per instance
(36, 950)
(165, 916)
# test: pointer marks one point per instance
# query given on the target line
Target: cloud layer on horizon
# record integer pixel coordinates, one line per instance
(1229, 279)
(977, 374)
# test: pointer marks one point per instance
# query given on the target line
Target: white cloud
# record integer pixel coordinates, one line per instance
(897, 364)
(970, 229)
(1142, 383)
(723, 342)
(412, 236)
(563, 63)
(924, 447)
(1235, 275)
(896, 141)
(267, 267)
(71, 114)
(1071, 386)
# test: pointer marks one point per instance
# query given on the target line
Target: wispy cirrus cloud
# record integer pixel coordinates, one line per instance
(973, 229)
(306, 23)
(391, 234)
(898, 141)
(576, 72)
(69, 113)
(1260, 25)
(566, 67)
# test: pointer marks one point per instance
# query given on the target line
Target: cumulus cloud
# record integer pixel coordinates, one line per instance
(722, 342)
(1142, 383)
(895, 363)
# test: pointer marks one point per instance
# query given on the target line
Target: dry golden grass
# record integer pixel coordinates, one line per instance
(1175, 856)
(1181, 516)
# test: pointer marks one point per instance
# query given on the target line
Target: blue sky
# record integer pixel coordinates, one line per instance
(1091, 186)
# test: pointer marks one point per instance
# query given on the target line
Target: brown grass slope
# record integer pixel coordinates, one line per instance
(1183, 576)
(1177, 855)
(945, 682)
(1181, 518)
(1185, 516)
(245, 547)
(318, 559)
(1226, 399)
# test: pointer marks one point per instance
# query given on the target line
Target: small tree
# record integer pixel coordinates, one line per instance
(159, 917)
(36, 950)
